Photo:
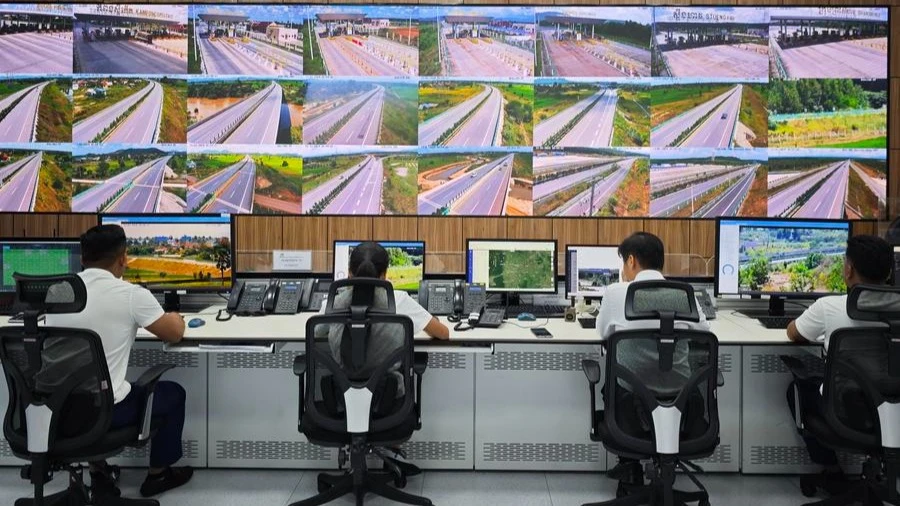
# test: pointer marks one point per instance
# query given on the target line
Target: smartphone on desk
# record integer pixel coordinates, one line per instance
(541, 332)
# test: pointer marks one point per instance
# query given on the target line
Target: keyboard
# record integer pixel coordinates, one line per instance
(588, 323)
(538, 310)
(776, 322)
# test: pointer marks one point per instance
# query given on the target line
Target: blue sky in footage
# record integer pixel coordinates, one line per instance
(105, 149)
(712, 15)
(54, 147)
(372, 11)
(642, 15)
(277, 13)
(759, 155)
(872, 154)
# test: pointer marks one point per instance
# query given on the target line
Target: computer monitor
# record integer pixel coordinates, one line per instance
(515, 267)
(590, 269)
(38, 257)
(407, 265)
(177, 253)
(780, 258)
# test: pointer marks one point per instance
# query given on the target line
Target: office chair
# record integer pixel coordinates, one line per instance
(659, 393)
(361, 389)
(60, 395)
(860, 402)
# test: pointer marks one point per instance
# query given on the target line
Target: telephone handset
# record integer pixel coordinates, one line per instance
(247, 297)
(706, 304)
(455, 299)
(257, 297)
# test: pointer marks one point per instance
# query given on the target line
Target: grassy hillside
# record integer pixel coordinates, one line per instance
(429, 63)
(670, 101)
(313, 64)
(400, 185)
(399, 121)
(631, 124)
(54, 183)
(173, 127)
(55, 113)
(552, 99)
(754, 115)
(517, 114)
(438, 97)
(207, 165)
(318, 170)
(633, 196)
(280, 178)
(119, 90)
(522, 167)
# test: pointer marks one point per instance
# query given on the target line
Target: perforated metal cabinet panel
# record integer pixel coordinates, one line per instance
(770, 443)
(532, 409)
(191, 373)
(253, 414)
(727, 455)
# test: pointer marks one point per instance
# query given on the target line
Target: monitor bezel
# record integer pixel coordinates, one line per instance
(379, 241)
(791, 295)
(555, 263)
(175, 289)
(566, 280)
(29, 240)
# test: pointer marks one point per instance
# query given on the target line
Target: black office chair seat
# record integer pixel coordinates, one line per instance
(393, 436)
(688, 450)
(110, 445)
(819, 427)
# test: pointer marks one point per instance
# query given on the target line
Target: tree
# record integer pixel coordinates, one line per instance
(222, 255)
(756, 273)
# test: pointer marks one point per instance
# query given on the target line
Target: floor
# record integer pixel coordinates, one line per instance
(273, 488)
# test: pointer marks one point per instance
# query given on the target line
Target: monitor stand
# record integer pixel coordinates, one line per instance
(171, 302)
(776, 306)
(511, 299)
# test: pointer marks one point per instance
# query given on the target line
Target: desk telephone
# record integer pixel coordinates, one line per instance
(257, 297)
(458, 300)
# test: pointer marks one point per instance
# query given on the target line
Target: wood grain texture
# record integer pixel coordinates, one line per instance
(35, 225)
(349, 228)
(254, 239)
(444, 242)
(676, 237)
(612, 231)
(702, 247)
(308, 233)
(7, 225)
(395, 228)
(529, 228)
(864, 228)
(73, 225)
(571, 231)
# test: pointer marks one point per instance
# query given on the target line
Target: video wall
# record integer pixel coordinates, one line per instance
(444, 110)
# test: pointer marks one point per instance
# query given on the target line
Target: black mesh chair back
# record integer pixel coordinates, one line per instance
(861, 388)
(661, 376)
(361, 360)
(60, 395)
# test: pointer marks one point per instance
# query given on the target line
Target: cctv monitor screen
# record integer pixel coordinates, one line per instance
(512, 266)
(781, 257)
(590, 269)
(177, 252)
(37, 258)
(407, 262)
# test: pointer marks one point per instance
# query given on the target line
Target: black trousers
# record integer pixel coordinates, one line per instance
(168, 409)
(811, 402)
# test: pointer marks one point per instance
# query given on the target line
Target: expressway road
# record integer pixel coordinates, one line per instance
(780, 202)
(714, 131)
(671, 202)
(595, 129)
(314, 127)
(363, 195)
(363, 128)
(314, 196)
(19, 124)
(35, 53)
(256, 118)
(483, 127)
(143, 195)
(835, 59)
(549, 187)
(237, 194)
(488, 58)
(445, 195)
(829, 199)
(878, 186)
(93, 199)
(433, 128)
(572, 59)
(124, 57)
(214, 182)
(344, 58)
(89, 128)
(292, 62)
(18, 192)
(487, 197)
(729, 203)
(225, 59)
(142, 125)
(545, 129)
(602, 190)
(10, 169)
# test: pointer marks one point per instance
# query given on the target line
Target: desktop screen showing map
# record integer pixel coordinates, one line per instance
(38, 259)
(791, 259)
(512, 266)
(193, 253)
(406, 268)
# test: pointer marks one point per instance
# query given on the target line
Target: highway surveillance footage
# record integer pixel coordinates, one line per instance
(606, 111)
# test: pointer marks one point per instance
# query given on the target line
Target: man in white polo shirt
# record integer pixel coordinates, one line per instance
(115, 310)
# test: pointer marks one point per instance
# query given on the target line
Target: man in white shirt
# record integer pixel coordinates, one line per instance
(643, 257)
(868, 260)
(115, 310)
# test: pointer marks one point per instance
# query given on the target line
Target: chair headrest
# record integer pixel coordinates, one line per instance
(57, 294)
(874, 303)
(375, 295)
(651, 299)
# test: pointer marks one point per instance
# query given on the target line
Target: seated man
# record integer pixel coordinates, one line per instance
(868, 260)
(643, 256)
(115, 310)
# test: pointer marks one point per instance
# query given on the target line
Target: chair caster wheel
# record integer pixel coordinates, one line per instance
(807, 489)
(322, 485)
(400, 481)
(621, 491)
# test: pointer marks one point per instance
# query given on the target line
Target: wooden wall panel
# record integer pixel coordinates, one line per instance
(529, 228)
(612, 231)
(35, 225)
(572, 231)
(702, 247)
(864, 228)
(7, 225)
(255, 237)
(308, 233)
(443, 238)
(395, 228)
(73, 225)
(676, 236)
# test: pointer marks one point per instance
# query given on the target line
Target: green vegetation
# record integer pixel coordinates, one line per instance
(293, 91)
(815, 268)
(207, 165)
(400, 185)
(173, 127)
(539, 55)
(438, 97)
(194, 58)
(225, 89)
(549, 204)
(517, 115)
(554, 98)
(632, 198)
(753, 113)
(670, 101)
(520, 269)
(120, 89)
(399, 117)
(320, 169)
(54, 193)
(839, 129)
(313, 63)
(404, 270)
(55, 113)
(429, 62)
(824, 95)
(629, 32)
(862, 202)
(11, 86)
(631, 124)
(280, 178)
(522, 167)
(433, 161)
(875, 142)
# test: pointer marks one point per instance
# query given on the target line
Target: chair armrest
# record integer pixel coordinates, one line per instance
(147, 382)
(720, 379)
(798, 368)
(300, 372)
(420, 362)
(299, 365)
(591, 370)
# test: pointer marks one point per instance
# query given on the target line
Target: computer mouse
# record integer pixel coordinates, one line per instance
(526, 317)
(196, 322)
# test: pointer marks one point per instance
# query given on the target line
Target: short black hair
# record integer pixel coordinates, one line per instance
(102, 245)
(871, 257)
(369, 260)
(646, 248)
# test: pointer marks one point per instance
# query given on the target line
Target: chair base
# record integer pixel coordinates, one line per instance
(332, 487)
(861, 492)
(876, 486)
(651, 495)
(78, 494)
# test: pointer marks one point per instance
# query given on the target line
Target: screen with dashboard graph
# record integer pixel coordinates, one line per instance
(688, 112)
